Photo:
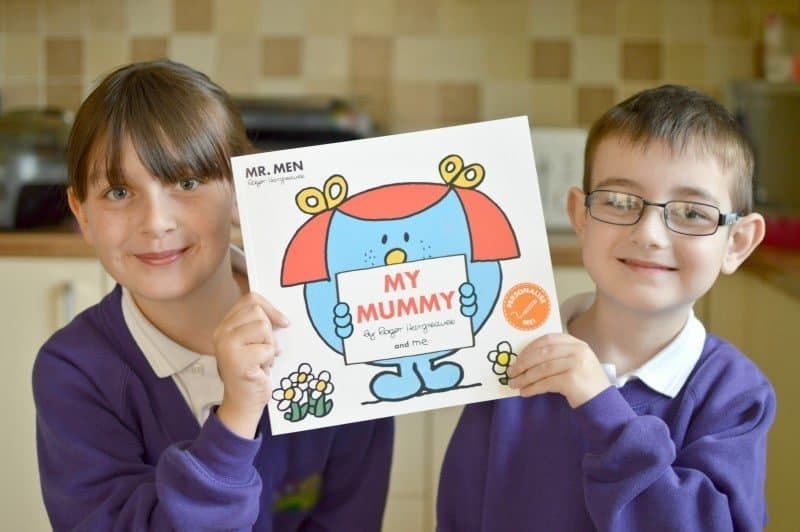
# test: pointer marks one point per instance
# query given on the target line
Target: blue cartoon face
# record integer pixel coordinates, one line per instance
(439, 231)
(463, 223)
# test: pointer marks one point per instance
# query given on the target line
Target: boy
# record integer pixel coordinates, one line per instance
(150, 405)
(635, 419)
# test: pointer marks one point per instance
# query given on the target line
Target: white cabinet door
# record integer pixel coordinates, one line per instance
(37, 296)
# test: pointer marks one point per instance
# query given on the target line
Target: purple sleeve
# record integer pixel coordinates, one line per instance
(635, 479)
(356, 478)
(95, 475)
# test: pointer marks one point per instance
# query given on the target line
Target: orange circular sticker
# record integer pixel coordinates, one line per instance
(526, 306)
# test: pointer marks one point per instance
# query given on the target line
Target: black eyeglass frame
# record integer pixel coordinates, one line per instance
(723, 219)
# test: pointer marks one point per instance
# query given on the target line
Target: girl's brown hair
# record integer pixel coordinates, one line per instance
(685, 119)
(180, 122)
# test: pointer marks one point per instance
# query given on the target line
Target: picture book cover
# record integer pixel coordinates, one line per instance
(412, 267)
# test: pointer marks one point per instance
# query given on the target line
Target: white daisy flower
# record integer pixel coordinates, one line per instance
(321, 385)
(502, 357)
(302, 376)
(287, 394)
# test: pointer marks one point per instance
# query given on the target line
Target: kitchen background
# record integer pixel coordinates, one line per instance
(410, 64)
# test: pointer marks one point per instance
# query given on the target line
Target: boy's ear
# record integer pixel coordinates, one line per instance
(576, 210)
(746, 234)
(76, 207)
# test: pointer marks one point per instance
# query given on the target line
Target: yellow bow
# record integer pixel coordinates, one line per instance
(312, 200)
(454, 173)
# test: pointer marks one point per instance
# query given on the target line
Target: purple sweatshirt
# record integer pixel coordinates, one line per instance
(629, 459)
(119, 449)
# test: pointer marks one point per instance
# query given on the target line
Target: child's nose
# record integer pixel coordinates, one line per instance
(157, 218)
(651, 229)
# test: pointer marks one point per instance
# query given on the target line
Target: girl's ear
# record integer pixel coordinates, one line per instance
(745, 235)
(76, 207)
(235, 213)
(577, 211)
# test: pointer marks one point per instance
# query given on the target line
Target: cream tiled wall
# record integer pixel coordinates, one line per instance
(412, 63)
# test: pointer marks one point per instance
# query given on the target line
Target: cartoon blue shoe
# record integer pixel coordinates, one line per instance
(391, 386)
(441, 376)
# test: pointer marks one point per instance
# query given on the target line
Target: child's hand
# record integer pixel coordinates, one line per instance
(558, 363)
(245, 347)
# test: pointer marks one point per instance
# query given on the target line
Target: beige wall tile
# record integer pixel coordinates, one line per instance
(730, 18)
(597, 17)
(628, 88)
(593, 101)
(23, 95)
(104, 51)
(23, 55)
(439, 59)
(279, 17)
(640, 18)
(459, 102)
(236, 16)
(20, 16)
(507, 57)
(729, 60)
(62, 17)
(327, 87)
(149, 48)
(553, 19)
(64, 57)
(509, 17)
(641, 60)
(685, 61)
(416, 17)
(237, 63)
(415, 105)
(552, 103)
(281, 56)
(280, 87)
(596, 60)
(551, 58)
(66, 96)
(105, 15)
(371, 57)
(326, 57)
(372, 17)
(375, 96)
(688, 20)
(460, 18)
(198, 51)
(502, 99)
(150, 17)
(324, 17)
(193, 15)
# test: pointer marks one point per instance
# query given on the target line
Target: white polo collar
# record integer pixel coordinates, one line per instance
(164, 355)
(669, 369)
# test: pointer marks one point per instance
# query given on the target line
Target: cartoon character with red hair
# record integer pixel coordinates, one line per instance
(394, 224)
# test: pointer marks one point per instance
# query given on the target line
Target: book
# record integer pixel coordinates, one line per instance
(413, 269)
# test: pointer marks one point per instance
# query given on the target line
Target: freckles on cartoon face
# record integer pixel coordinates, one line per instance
(439, 231)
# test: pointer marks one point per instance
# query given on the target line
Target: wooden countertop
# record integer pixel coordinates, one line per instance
(781, 267)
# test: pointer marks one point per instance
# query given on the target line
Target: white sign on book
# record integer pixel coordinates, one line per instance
(412, 267)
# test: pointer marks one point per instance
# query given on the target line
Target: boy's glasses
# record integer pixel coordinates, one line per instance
(684, 217)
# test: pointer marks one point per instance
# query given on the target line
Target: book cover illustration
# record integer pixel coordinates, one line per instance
(411, 266)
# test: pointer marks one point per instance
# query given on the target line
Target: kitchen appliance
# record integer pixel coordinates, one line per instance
(770, 116)
(33, 172)
(558, 152)
(282, 123)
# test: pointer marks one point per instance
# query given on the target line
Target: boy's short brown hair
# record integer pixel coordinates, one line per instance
(685, 119)
(180, 122)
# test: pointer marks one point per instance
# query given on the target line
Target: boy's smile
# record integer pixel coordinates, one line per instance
(647, 267)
